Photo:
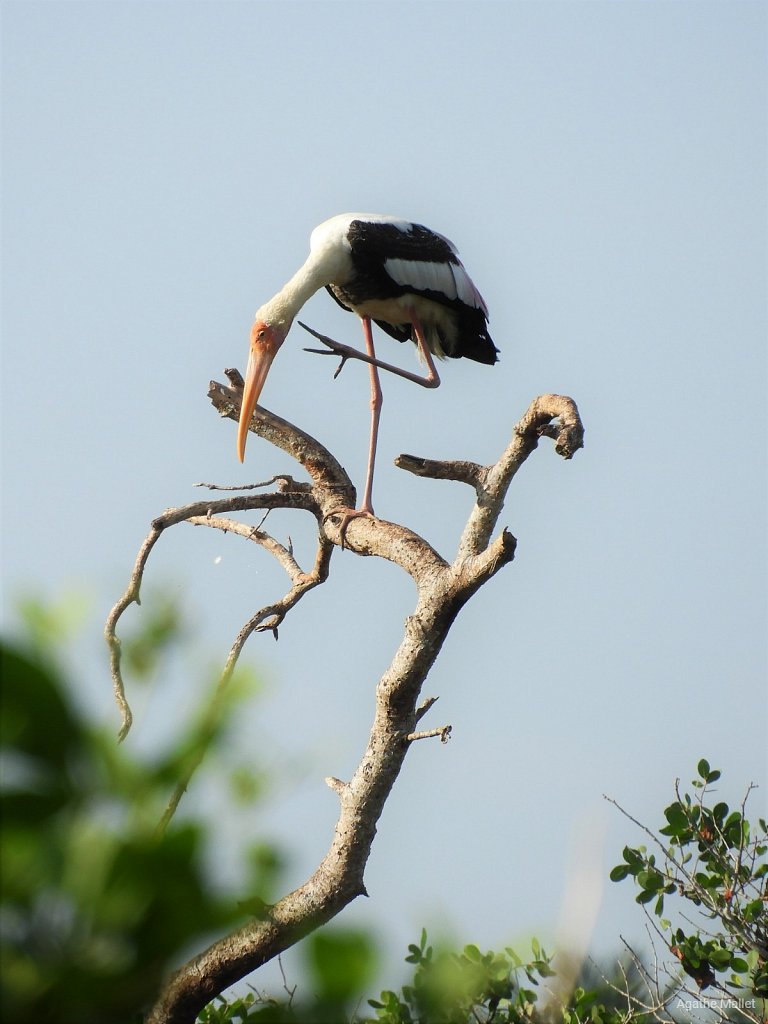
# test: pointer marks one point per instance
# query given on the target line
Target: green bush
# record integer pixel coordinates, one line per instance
(97, 903)
(712, 861)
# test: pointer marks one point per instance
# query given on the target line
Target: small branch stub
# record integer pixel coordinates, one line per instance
(444, 732)
(425, 706)
(460, 471)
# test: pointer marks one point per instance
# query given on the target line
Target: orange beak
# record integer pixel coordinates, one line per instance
(265, 342)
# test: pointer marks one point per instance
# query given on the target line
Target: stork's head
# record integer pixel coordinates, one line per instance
(266, 339)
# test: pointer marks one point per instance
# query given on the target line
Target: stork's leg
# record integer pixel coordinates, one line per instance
(366, 509)
(432, 380)
(376, 402)
(345, 352)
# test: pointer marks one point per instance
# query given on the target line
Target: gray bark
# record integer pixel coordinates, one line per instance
(442, 590)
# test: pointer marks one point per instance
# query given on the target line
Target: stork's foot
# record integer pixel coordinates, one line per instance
(347, 515)
(335, 348)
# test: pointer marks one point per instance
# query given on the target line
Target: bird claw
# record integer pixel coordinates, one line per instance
(335, 348)
(348, 515)
(323, 351)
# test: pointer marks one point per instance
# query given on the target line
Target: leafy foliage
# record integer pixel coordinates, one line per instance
(466, 987)
(707, 855)
(96, 902)
(714, 860)
(340, 963)
(448, 988)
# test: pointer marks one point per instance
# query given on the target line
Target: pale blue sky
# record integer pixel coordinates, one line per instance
(602, 168)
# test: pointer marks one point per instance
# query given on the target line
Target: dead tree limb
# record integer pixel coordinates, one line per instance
(442, 590)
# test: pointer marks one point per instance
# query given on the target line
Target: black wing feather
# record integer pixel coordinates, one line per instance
(374, 242)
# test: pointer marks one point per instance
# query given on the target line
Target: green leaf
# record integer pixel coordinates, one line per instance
(619, 873)
(633, 859)
(514, 959)
(719, 812)
(342, 962)
(752, 910)
(703, 768)
(676, 816)
(720, 958)
(651, 880)
(36, 718)
(704, 880)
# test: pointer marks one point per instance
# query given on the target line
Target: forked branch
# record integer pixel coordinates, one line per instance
(442, 590)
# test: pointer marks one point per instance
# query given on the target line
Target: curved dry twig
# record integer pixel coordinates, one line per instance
(131, 596)
(282, 554)
(284, 480)
(266, 619)
(198, 513)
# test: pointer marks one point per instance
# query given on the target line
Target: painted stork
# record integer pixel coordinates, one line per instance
(407, 279)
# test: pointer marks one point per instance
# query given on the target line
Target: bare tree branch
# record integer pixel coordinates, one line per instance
(442, 590)
(553, 416)
(130, 596)
(200, 513)
(281, 553)
(460, 470)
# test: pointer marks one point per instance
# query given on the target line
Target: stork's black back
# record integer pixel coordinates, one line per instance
(372, 244)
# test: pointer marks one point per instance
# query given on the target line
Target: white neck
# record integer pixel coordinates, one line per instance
(283, 307)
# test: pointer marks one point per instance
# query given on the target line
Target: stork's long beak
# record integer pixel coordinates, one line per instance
(265, 342)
